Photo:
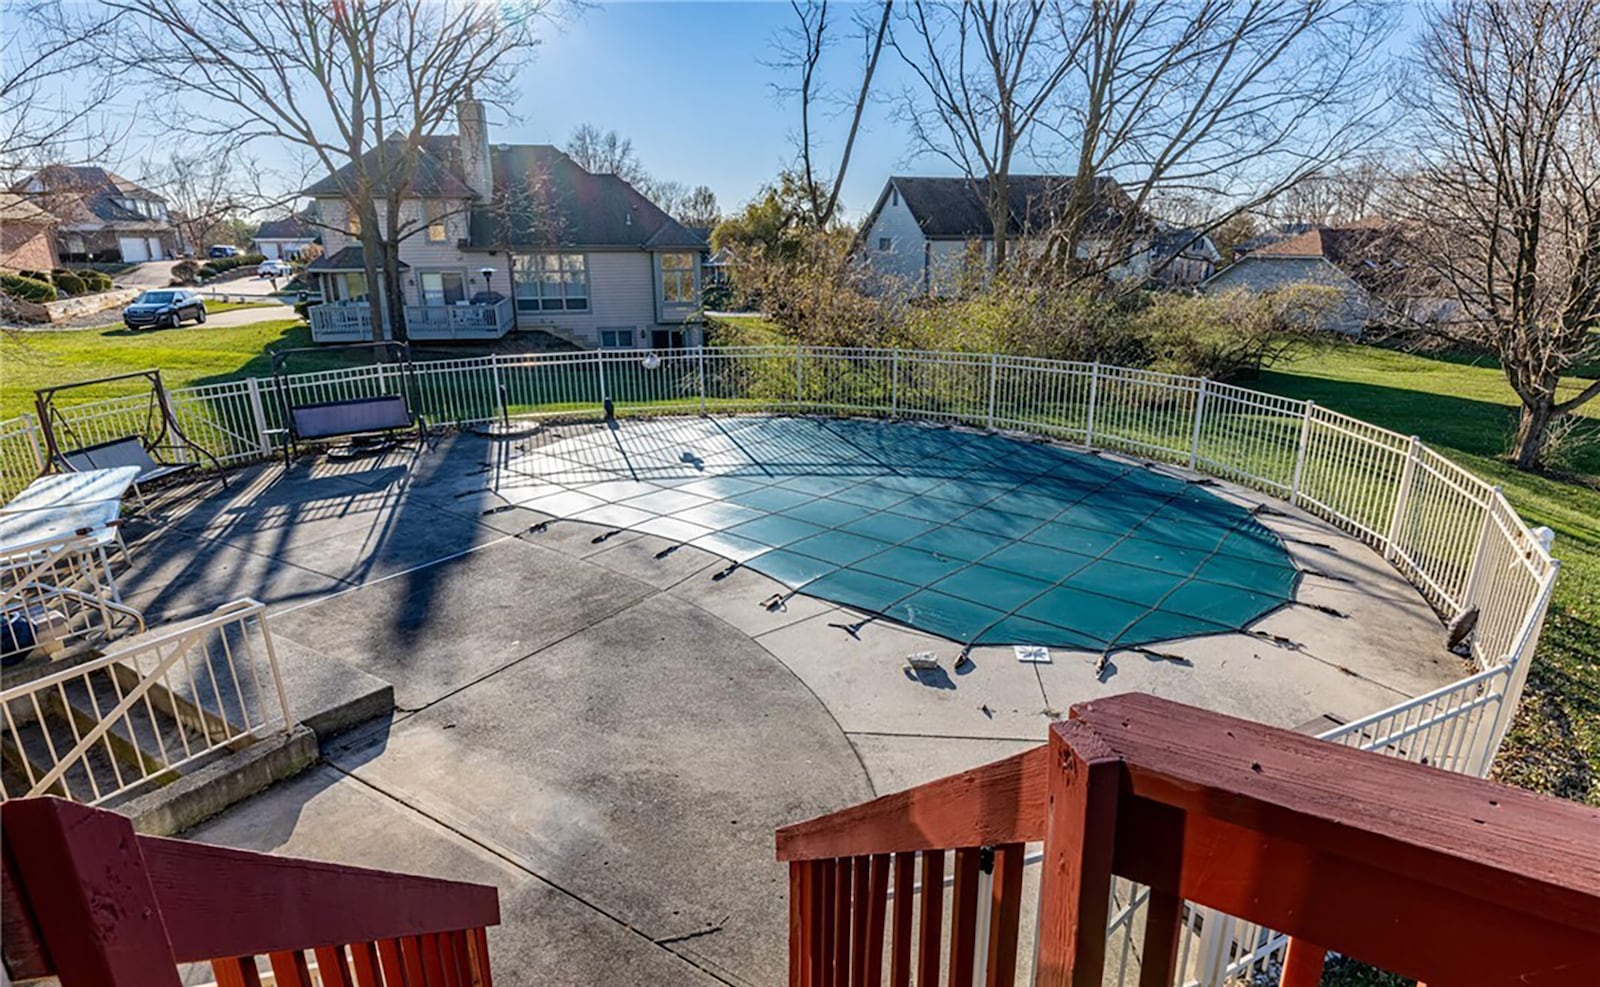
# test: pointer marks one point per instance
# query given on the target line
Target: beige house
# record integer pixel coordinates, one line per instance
(516, 237)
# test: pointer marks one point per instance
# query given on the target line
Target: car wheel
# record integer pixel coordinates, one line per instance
(200, 317)
(174, 321)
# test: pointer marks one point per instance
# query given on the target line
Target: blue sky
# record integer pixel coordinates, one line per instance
(689, 83)
(692, 85)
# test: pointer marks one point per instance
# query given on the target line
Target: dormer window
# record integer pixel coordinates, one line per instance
(434, 212)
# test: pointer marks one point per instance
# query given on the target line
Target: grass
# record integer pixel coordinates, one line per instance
(1467, 412)
(187, 356)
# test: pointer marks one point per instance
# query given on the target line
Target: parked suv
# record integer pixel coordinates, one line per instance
(221, 250)
(165, 308)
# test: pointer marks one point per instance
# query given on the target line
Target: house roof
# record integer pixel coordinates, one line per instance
(296, 227)
(1172, 241)
(16, 208)
(542, 198)
(1367, 252)
(957, 207)
(85, 197)
(438, 173)
(351, 258)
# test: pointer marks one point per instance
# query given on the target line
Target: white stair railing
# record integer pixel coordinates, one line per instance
(146, 709)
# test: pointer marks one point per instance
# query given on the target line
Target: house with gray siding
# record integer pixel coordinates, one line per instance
(515, 237)
(1356, 263)
(934, 236)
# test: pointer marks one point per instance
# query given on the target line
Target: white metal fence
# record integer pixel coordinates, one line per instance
(148, 706)
(1451, 534)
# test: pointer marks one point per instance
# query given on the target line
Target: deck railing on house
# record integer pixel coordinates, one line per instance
(340, 322)
(86, 900)
(1396, 864)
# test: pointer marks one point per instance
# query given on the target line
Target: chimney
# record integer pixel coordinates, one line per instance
(472, 140)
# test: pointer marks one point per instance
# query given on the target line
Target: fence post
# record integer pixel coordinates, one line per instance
(700, 375)
(1199, 412)
(1094, 390)
(258, 415)
(500, 396)
(1402, 498)
(799, 376)
(994, 374)
(30, 426)
(1469, 588)
(600, 359)
(83, 878)
(894, 385)
(1300, 453)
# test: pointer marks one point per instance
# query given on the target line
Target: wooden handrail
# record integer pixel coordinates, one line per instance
(1430, 874)
(86, 899)
(1002, 802)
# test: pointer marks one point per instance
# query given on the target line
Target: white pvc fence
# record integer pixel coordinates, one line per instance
(1452, 535)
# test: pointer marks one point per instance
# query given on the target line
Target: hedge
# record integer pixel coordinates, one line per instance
(218, 265)
(69, 284)
(27, 289)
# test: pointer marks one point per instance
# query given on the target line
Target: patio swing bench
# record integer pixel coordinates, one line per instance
(138, 448)
(380, 416)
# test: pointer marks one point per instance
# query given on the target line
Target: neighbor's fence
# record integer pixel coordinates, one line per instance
(147, 706)
(1451, 534)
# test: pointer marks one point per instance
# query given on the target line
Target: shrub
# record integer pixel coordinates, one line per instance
(68, 283)
(37, 276)
(27, 289)
(184, 272)
(95, 280)
(1228, 335)
(220, 265)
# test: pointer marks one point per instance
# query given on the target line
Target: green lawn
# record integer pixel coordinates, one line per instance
(1468, 412)
(189, 355)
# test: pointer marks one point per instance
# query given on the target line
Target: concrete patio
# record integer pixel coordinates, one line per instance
(611, 734)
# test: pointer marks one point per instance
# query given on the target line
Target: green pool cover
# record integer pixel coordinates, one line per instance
(979, 538)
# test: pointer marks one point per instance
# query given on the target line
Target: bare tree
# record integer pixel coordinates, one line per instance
(1506, 203)
(699, 208)
(987, 71)
(205, 191)
(361, 86)
(1227, 101)
(51, 111)
(801, 49)
(606, 152)
(1334, 196)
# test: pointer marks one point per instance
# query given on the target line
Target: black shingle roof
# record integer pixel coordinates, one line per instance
(957, 207)
(542, 198)
(437, 174)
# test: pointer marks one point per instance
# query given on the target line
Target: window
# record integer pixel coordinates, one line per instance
(894, 196)
(434, 211)
(885, 243)
(442, 287)
(352, 222)
(552, 282)
(616, 339)
(677, 279)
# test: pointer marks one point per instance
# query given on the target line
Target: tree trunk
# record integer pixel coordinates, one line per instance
(1532, 430)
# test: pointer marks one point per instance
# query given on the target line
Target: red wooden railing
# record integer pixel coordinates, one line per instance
(1429, 874)
(87, 900)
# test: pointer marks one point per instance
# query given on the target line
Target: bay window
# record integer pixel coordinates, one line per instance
(552, 282)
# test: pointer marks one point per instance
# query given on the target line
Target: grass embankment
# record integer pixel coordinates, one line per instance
(1466, 411)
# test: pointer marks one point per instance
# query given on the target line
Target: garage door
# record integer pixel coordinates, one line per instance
(134, 249)
(267, 249)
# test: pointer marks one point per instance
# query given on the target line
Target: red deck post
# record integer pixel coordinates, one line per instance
(84, 879)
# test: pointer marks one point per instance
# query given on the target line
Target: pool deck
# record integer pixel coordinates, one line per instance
(610, 734)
